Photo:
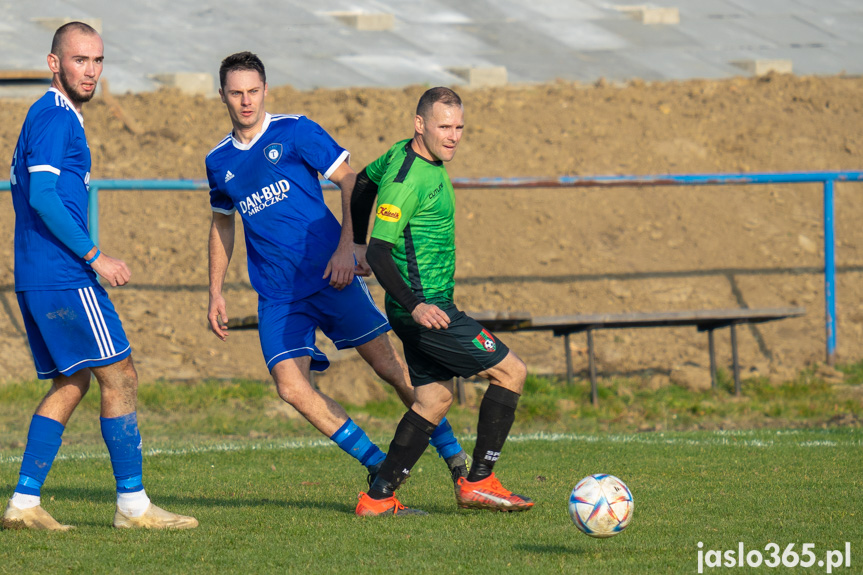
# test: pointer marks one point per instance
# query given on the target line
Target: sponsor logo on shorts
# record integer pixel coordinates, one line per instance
(485, 341)
(389, 213)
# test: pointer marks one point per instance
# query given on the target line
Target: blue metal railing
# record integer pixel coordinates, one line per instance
(827, 179)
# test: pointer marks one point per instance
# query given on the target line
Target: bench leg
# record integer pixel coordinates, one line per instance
(735, 360)
(712, 349)
(594, 396)
(568, 359)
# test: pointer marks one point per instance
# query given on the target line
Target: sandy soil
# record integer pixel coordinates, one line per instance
(544, 251)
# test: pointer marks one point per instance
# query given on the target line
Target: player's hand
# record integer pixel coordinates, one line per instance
(430, 316)
(362, 268)
(115, 271)
(217, 315)
(340, 268)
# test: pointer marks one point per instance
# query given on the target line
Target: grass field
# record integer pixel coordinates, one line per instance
(288, 507)
(273, 498)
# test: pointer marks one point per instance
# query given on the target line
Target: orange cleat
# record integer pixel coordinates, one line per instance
(390, 506)
(488, 493)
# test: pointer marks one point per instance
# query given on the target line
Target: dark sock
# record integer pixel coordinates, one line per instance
(411, 439)
(496, 414)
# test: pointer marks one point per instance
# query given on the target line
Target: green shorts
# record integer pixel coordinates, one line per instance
(464, 349)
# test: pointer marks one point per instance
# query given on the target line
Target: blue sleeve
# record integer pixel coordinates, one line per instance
(317, 148)
(219, 200)
(45, 201)
(47, 141)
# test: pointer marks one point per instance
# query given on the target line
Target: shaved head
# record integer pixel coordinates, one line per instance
(65, 30)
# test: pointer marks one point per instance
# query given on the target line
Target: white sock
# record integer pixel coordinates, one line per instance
(24, 501)
(133, 504)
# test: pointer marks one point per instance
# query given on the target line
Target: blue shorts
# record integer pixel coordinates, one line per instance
(70, 330)
(348, 317)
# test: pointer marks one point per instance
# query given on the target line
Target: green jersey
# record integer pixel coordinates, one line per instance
(416, 213)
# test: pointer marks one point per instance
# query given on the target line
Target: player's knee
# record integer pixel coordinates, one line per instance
(512, 374)
(292, 390)
(81, 385)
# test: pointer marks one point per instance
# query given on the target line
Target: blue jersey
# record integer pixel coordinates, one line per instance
(272, 181)
(52, 140)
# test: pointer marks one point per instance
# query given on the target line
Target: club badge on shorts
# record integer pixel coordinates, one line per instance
(485, 341)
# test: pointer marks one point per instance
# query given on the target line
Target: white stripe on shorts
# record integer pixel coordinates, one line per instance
(101, 319)
(92, 325)
(369, 295)
(95, 324)
(91, 300)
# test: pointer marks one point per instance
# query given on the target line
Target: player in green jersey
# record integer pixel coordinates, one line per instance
(412, 253)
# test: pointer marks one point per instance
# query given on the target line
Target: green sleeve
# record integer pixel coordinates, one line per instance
(397, 203)
(376, 170)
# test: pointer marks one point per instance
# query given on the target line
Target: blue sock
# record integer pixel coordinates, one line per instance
(43, 443)
(444, 441)
(123, 439)
(357, 444)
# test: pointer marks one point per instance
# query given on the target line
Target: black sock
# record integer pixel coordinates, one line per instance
(411, 439)
(496, 414)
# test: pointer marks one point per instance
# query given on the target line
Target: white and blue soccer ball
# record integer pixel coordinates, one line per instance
(601, 505)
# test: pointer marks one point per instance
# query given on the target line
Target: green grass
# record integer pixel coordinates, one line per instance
(782, 463)
(250, 409)
(286, 507)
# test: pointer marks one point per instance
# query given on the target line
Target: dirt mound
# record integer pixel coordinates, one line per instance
(544, 251)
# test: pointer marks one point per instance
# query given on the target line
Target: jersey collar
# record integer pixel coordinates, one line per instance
(241, 146)
(58, 93)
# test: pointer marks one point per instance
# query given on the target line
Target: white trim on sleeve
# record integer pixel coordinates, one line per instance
(43, 168)
(223, 211)
(343, 157)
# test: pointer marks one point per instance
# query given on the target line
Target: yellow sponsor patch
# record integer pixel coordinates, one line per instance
(389, 213)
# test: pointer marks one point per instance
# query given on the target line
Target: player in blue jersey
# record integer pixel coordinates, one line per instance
(301, 260)
(71, 325)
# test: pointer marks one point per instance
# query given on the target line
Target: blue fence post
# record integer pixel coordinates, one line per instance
(830, 271)
(93, 213)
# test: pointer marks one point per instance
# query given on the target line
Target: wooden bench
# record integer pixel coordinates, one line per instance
(566, 325)
(706, 320)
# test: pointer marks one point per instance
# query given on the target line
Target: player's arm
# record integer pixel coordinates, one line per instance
(362, 202)
(340, 268)
(50, 208)
(380, 258)
(221, 248)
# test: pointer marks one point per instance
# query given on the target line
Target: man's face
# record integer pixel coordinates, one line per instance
(79, 65)
(244, 94)
(441, 131)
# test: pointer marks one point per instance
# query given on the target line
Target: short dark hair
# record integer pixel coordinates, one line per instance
(65, 30)
(432, 96)
(241, 61)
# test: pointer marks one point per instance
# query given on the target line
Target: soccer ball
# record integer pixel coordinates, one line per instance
(600, 505)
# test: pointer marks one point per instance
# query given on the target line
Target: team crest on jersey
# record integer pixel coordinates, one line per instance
(485, 341)
(273, 152)
(389, 213)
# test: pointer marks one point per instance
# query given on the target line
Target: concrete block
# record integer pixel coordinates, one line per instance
(187, 82)
(54, 23)
(763, 67)
(648, 14)
(481, 77)
(367, 22)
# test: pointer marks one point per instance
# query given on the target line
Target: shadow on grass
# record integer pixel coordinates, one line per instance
(106, 496)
